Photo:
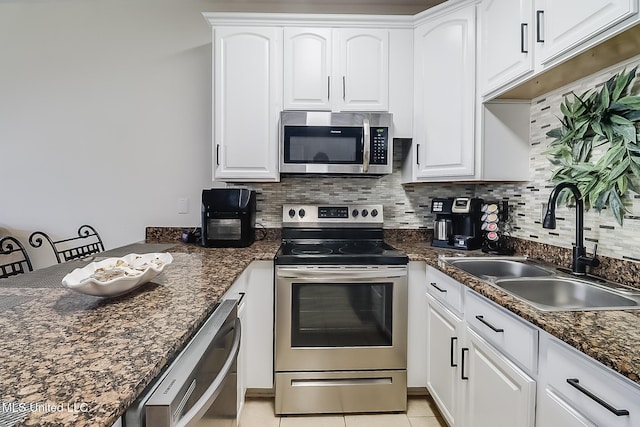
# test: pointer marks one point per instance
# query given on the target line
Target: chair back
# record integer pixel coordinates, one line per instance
(13, 258)
(87, 243)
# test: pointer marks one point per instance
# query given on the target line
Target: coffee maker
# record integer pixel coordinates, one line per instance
(458, 223)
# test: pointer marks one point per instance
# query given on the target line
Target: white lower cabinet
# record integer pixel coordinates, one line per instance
(496, 391)
(487, 367)
(417, 316)
(444, 334)
(254, 289)
(476, 379)
(575, 390)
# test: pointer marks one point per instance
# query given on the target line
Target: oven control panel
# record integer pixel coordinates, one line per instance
(336, 215)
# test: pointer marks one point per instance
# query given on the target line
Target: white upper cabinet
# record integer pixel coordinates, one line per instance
(307, 68)
(522, 38)
(444, 98)
(363, 66)
(339, 69)
(247, 99)
(504, 54)
(561, 25)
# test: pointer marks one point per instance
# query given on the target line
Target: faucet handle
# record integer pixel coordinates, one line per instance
(593, 261)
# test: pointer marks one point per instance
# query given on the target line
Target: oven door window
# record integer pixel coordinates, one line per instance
(341, 314)
(323, 145)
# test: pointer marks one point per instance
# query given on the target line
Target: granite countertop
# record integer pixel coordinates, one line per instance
(73, 359)
(610, 337)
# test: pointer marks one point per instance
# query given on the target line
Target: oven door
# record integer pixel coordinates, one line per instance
(341, 318)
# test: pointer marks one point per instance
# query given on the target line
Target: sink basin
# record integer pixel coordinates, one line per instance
(498, 267)
(566, 294)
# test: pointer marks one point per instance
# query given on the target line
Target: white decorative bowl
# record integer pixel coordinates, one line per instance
(116, 276)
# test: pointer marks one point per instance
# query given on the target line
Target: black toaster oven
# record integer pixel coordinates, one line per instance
(228, 217)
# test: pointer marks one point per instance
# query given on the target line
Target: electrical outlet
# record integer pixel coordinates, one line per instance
(183, 205)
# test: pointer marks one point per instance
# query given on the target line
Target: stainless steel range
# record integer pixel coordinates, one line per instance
(341, 318)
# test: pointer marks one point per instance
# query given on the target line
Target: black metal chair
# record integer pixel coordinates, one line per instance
(14, 258)
(87, 243)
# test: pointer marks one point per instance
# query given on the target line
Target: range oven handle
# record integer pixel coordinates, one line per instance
(206, 400)
(324, 274)
(366, 144)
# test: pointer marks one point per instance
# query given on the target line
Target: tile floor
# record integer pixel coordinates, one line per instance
(421, 412)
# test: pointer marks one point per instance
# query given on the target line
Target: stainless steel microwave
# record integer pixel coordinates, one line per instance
(340, 143)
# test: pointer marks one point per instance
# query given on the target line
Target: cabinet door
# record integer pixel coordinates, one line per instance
(506, 43)
(554, 411)
(445, 96)
(247, 99)
(443, 342)
(416, 338)
(361, 71)
(562, 25)
(307, 67)
(498, 393)
(259, 351)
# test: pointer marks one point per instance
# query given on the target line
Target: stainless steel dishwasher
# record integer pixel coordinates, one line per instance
(200, 386)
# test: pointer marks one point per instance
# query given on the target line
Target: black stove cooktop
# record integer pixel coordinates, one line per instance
(340, 252)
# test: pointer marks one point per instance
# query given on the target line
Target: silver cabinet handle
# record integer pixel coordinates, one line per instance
(366, 145)
(207, 398)
(344, 88)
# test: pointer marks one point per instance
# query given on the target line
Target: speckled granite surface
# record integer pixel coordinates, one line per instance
(610, 337)
(81, 360)
(78, 360)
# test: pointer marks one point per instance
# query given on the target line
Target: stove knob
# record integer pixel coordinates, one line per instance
(302, 213)
(365, 212)
(374, 213)
(354, 213)
(292, 213)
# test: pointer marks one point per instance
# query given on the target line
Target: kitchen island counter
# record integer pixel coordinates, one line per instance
(78, 360)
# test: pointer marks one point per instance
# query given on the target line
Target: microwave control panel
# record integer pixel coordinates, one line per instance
(379, 145)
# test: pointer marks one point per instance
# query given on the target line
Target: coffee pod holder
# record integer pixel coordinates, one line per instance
(494, 224)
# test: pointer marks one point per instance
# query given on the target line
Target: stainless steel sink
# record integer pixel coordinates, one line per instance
(547, 288)
(498, 267)
(567, 294)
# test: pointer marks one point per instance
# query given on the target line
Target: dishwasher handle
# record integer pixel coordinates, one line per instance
(206, 400)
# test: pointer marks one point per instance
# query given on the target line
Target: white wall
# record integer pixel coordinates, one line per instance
(105, 113)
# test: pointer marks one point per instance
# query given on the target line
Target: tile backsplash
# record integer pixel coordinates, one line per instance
(408, 206)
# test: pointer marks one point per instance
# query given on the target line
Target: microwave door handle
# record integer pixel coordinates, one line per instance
(209, 396)
(367, 146)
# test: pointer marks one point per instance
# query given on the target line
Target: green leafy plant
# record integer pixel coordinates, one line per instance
(608, 117)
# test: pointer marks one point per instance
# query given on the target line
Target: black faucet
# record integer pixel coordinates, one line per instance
(580, 258)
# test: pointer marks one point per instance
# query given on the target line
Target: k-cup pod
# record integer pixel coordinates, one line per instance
(492, 208)
(493, 236)
(491, 226)
(492, 218)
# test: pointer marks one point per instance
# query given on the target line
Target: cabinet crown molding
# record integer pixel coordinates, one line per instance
(305, 20)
